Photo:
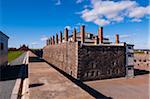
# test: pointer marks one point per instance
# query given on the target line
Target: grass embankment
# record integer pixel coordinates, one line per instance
(12, 55)
(138, 52)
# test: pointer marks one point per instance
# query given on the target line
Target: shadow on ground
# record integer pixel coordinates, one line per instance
(36, 85)
(36, 59)
(140, 72)
(38, 52)
(12, 72)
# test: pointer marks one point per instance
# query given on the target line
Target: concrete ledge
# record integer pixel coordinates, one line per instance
(25, 87)
(17, 90)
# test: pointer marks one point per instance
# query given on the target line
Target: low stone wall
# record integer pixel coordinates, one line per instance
(64, 56)
(101, 62)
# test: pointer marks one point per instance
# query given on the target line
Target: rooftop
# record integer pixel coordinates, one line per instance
(1, 33)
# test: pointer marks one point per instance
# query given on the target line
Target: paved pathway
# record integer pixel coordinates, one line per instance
(47, 83)
(122, 88)
(9, 76)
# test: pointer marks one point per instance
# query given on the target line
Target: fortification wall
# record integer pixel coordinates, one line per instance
(86, 58)
(101, 62)
(64, 56)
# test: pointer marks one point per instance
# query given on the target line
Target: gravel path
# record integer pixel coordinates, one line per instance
(9, 76)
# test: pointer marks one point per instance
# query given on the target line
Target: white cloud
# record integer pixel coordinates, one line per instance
(86, 6)
(44, 38)
(136, 20)
(71, 28)
(75, 27)
(68, 27)
(124, 36)
(58, 2)
(79, 1)
(109, 12)
(101, 21)
(139, 12)
(34, 43)
(108, 36)
(79, 24)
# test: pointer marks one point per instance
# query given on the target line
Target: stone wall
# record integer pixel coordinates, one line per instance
(142, 59)
(101, 62)
(64, 56)
(87, 62)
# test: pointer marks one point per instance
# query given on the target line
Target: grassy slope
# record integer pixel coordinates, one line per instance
(13, 55)
(138, 52)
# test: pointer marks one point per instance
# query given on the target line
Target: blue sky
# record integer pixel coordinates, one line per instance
(32, 21)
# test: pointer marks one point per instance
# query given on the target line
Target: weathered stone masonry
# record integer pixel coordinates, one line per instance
(101, 62)
(86, 61)
(64, 56)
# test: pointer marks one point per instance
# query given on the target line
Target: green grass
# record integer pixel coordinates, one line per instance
(138, 52)
(12, 55)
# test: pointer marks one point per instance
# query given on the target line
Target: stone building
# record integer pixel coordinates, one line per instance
(3, 49)
(86, 56)
(142, 58)
(23, 48)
